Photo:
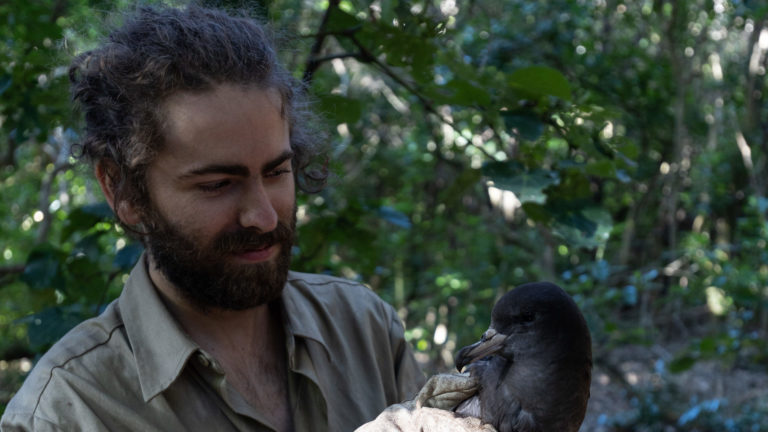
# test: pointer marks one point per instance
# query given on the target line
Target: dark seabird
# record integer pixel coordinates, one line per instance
(534, 364)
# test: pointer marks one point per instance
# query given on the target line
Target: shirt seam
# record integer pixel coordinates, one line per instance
(329, 282)
(61, 366)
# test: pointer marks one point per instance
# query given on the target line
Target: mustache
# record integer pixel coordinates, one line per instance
(249, 239)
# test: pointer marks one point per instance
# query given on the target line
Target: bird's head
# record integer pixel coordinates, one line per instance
(536, 316)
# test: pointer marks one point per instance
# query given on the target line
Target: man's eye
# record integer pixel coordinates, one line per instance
(213, 186)
(278, 172)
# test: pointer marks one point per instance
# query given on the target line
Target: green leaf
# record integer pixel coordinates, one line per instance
(87, 281)
(601, 168)
(340, 109)
(43, 269)
(527, 126)
(394, 217)
(340, 21)
(540, 81)
(527, 185)
(88, 246)
(682, 364)
(453, 194)
(85, 217)
(587, 228)
(537, 212)
(127, 257)
(467, 93)
(5, 83)
(46, 327)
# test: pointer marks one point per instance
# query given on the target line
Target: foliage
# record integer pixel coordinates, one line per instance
(617, 148)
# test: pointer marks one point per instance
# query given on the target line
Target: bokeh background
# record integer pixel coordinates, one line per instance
(617, 148)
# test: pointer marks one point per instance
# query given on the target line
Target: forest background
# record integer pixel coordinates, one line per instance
(618, 149)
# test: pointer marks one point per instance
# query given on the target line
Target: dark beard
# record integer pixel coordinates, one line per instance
(207, 277)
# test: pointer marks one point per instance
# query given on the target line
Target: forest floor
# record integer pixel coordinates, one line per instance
(631, 387)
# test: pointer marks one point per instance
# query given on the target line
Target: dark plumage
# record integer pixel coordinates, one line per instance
(534, 364)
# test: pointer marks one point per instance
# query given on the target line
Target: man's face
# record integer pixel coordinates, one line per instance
(222, 198)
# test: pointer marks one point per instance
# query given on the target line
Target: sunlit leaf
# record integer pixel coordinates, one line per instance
(588, 228)
(85, 217)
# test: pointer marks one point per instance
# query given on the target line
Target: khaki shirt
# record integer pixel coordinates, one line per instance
(133, 368)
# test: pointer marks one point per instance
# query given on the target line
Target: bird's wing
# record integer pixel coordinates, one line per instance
(518, 420)
(469, 408)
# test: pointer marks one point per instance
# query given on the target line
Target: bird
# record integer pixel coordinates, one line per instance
(533, 364)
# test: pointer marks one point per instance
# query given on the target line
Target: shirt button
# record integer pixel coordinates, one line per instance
(203, 360)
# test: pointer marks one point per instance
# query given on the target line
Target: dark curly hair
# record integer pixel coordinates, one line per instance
(121, 86)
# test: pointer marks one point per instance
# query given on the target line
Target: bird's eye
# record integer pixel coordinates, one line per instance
(525, 317)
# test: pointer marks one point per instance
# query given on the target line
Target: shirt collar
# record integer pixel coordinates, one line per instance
(300, 315)
(160, 346)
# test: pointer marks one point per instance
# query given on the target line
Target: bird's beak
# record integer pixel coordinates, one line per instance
(488, 345)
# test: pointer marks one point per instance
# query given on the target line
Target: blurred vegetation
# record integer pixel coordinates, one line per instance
(616, 148)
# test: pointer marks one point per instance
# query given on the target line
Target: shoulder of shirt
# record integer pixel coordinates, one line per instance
(69, 352)
(335, 294)
(321, 284)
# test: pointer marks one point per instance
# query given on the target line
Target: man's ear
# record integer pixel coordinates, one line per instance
(106, 174)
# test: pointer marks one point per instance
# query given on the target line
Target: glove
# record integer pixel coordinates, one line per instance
(431, 409)
(446, 391)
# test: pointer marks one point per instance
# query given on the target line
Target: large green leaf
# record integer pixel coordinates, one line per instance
(85, 217)
(340, 21)
(527, 126)
(43, 269)
(540, 81)
(587, 228)
(527, 185)
(49, 325)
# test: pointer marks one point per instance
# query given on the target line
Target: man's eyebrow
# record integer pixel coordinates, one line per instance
(236, 169)
(276, 162)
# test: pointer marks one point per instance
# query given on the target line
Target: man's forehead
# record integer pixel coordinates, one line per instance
(186, 103)
(225, 124)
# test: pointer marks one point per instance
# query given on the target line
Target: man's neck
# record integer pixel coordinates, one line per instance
(248, 344)
(216, 329)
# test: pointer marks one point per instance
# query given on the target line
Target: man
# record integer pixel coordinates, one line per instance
(198, 138)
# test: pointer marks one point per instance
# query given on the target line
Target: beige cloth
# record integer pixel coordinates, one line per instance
(133, 368)
(430, 411)
(404, 419)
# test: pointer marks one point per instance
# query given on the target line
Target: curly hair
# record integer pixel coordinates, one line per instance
(120, 87)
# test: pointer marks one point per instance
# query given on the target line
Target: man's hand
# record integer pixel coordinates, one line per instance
(431, 409)
(446, 391)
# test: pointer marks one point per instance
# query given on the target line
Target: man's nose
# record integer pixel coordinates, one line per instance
(256, 209)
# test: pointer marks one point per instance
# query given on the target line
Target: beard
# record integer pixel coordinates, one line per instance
(208, 277)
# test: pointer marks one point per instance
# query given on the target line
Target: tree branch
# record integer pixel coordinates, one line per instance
(312, 63)
(11, 269)
(320, 60)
